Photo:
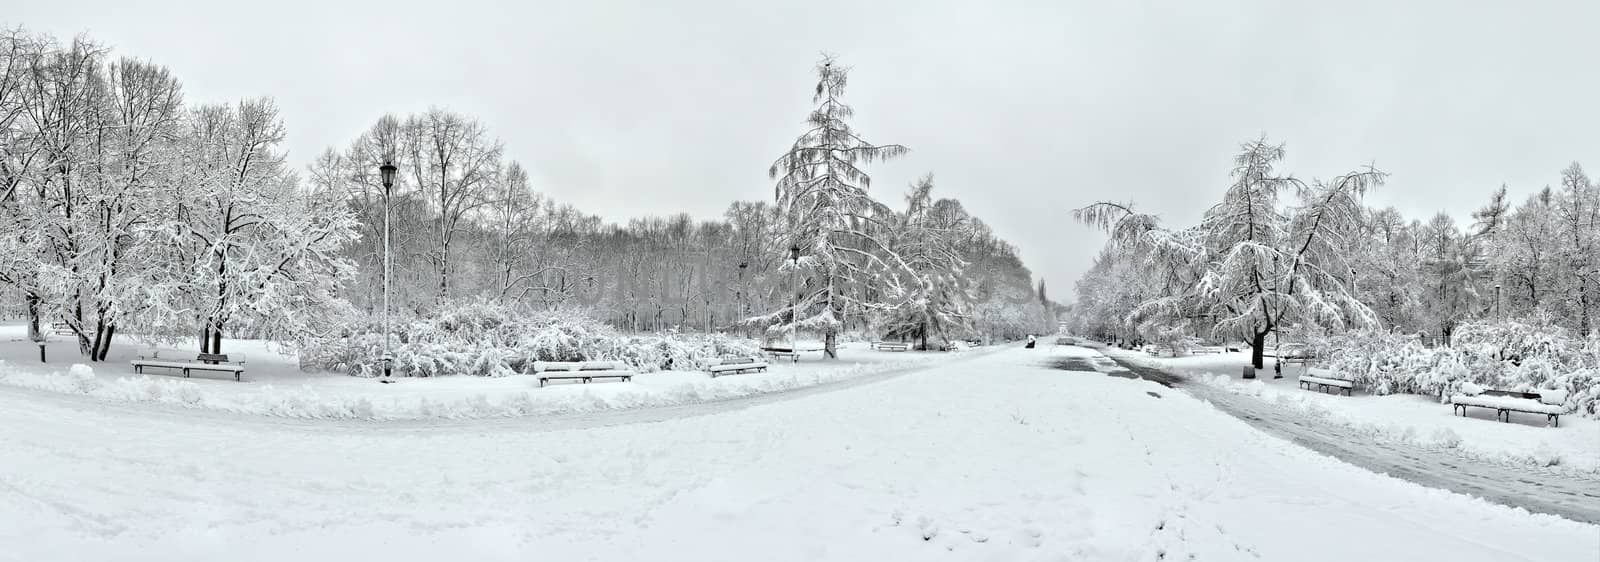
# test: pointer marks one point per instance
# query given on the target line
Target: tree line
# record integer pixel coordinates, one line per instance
(466, 224)
(127, 209)
(1260, 262)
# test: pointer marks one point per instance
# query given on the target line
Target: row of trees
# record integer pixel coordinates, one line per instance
(1257, 264)
(124, 209)
(467, 225)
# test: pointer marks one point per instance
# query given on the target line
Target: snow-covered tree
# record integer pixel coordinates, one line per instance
(454, 164)
(243, 247)
(822, 198)
(1578, 221)
(1253, 263)
(934, 298)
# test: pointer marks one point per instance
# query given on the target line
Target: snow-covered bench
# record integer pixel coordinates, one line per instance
(736, 365)
(211, 362)
(586, 371)
(891, 346)
(781, 352)
(1551, 403)
(1325, 383)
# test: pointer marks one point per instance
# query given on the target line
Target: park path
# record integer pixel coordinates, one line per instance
(1570, 494)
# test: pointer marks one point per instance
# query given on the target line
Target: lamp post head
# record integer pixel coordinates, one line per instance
(794, 254)
(387, 170)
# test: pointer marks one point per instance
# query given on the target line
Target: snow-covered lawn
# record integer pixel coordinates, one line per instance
(274, 385)
(994, 458)
(1400, 417)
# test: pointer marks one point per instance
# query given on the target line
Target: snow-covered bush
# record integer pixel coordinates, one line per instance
(1509, 355)
(485, 339)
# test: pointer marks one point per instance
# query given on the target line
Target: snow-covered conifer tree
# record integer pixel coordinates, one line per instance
(822, 198)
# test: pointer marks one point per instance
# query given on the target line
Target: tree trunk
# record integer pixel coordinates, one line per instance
(216, 339)
(829, 344)
(95, 353)
(205, 338)
(1258, 346)
(105, 341)
(35, 333)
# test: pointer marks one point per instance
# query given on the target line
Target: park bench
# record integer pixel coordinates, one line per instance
(209, 362)
(736, 365)
(586, 371)
(892, 346)
(781, 352)
(1551, 403)
(1325, 383)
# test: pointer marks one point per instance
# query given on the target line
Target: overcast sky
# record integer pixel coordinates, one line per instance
(1021, 110)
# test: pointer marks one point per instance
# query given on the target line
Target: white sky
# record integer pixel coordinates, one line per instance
(1023, 110)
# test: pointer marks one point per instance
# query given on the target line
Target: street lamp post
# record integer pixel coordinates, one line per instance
(794, 295)
(387, 170)
(738, 300)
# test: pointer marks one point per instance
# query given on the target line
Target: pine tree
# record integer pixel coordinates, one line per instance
(822, 199)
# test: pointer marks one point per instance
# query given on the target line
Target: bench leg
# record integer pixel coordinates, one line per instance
(185, 373)
(1346, 391)
(1555, 420)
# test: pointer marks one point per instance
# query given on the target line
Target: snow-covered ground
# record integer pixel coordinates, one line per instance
(274, 385)
(994, 457)
(1406, 418)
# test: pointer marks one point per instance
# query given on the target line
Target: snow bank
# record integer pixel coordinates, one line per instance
(444, 397)
(1424, 422)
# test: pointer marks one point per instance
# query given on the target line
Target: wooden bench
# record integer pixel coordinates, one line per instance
(586, 371)
(737, 365)
(1324, 383)
(893, 346)
(210, 362)
(781, 352)
(1551, 403)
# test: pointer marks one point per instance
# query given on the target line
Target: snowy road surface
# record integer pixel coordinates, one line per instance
(995, 458)
(1571, 494)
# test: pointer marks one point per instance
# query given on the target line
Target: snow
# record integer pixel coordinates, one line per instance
(274, 386)
(1408, 418)
(991, 457)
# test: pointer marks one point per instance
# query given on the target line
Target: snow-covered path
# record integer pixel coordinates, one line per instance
(1568, 493)
(994, 458)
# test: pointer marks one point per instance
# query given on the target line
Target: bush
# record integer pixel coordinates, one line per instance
(485, 339)
(1510, 355)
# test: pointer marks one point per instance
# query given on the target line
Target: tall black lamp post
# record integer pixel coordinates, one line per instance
(387, 170)
(794, 310)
